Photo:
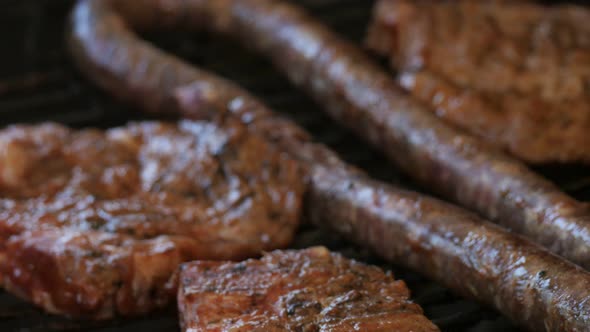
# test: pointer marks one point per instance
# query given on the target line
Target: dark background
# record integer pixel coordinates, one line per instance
(39, 83)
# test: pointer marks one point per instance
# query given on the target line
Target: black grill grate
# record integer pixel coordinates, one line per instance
(38, 83)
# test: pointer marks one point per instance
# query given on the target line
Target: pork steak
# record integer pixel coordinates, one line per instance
(515, 73)
(95, 223)
(295, 290)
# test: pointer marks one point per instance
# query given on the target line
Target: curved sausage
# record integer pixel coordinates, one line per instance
(475, 258)
(356, 93)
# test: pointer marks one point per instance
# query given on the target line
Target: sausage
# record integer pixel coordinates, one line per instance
(359, 95)
(475, 258)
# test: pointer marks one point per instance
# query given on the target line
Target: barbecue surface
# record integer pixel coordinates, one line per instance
(38, 82)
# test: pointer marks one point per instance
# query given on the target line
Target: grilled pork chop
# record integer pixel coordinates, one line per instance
(94, 223)
(514, 73)
(295, 290)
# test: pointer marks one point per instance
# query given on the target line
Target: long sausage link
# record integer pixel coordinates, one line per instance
(364, 98)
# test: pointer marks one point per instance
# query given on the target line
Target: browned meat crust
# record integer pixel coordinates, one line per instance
(304, 290)
(462, 251)
(515, 74)
(95, 223)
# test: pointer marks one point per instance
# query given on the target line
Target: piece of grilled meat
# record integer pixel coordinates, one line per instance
(514, 73)
(295, 290)
(94, 224)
